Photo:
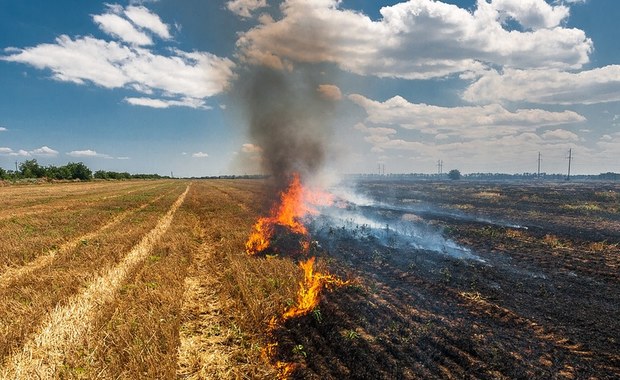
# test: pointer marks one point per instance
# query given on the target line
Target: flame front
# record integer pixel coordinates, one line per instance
(295, 203)
(310, 289)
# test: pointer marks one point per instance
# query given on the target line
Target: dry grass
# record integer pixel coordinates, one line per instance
(26, 302)
(35, 200)
(43, 355)
(250, 290)
(26, 237)
(101, 297)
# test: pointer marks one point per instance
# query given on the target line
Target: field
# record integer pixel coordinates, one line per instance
(150, 279)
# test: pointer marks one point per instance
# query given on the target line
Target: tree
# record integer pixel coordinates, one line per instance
(31, 169)
(101, 174)
(79, 171)
(3, 174)
(454, 174)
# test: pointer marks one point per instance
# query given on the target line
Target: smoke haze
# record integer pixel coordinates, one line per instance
(288, 119)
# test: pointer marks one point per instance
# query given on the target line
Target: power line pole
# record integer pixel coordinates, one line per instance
(538, 176)
(383, 169)
(439, 167)
(15, 166)
(570, 158)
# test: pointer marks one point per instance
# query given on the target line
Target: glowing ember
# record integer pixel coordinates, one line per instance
(295, 203)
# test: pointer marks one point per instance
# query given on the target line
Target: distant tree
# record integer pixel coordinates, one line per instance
(454, 174)
(101, 174)
(54, 172)
(3, 174)
(31, 169)
(79, 171)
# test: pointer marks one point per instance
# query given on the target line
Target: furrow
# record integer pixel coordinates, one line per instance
(42, 356)
(11, 275)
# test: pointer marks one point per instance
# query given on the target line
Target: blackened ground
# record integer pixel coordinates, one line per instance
(544, 303)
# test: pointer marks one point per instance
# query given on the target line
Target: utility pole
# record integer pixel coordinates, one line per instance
(379, 168)
(383, 169)
(439, 167)
(538, 176)
(570, 158)
(15, 167)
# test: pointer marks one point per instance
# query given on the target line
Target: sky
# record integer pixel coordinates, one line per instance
(153, 86)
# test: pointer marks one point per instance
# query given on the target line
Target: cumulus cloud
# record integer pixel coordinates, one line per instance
(531, 14)
(43, 151)
(144, 18)
(560, 134)
(187, 76)
(330, 91)
(547, 86)
(418, 39)
(88, 153)
(244, 8)
(119, 27)
(3, 129)
(200, 155)
(464, 122)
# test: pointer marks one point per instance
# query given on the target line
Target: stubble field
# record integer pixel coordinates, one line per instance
(149, 279)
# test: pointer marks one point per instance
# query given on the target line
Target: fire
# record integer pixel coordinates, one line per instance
(310, 289)
(295, 202)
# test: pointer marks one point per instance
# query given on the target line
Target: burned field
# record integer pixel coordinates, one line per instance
(464, 280)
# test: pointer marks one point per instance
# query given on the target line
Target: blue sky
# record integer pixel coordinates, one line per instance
(150, 86)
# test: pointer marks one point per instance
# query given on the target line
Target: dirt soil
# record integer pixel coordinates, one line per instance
(538, 298)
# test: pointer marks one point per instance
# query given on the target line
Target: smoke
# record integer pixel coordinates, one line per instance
(288, 120)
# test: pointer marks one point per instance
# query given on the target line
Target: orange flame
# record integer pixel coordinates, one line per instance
(295, 203)
(310, 289)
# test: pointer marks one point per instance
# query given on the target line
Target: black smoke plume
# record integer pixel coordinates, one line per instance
(288, 119)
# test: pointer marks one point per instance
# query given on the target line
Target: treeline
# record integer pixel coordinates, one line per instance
(30, 169)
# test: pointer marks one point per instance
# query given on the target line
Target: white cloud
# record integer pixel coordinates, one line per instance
(3, 129)
(330, 91)
(43, 151)
(166, 103)
(87, 153)
(186, 76)
(418, 39)
(531, 14)
(123, 158)
(117, 26)
(200, 155)
(5, 151)
(244, 8)
(547, 86)
(560, 134)
(146, 19)
(464, 122)
(113, 65)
